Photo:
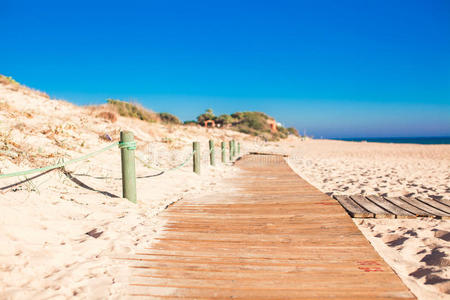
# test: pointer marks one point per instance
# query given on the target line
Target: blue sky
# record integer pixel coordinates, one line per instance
(335, 68)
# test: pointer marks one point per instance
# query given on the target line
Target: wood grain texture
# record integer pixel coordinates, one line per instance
(399, 212)
(372, 207)
(354, 210)
(425, 207)
(270, 236)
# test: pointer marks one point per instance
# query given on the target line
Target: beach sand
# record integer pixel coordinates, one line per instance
(45, 251)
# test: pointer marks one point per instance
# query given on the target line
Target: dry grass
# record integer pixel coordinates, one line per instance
(107, 115)
(15, 86)
(133, 110)
(4, 106)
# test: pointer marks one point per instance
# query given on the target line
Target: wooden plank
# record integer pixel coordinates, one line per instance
(434, 203)
(425, 207)
(444, 201)
(289, 241)
(353, 209)
(372, 207)
(408, 207)
(399, 212)
(267, 153)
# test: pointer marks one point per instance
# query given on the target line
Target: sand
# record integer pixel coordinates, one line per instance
(46, 253)
(417, 250)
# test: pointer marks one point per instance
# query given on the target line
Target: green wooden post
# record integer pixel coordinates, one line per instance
(224, 158)
(239, 148)
(128, 166)
(212, 154)
(230, 150)
(196, 157)
(234, 148)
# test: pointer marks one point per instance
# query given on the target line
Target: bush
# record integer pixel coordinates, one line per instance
(107, 115)
(255, 120)
(169, 118)
(249, 122)
(293, 131)
(224, 120)
(136, 111)
(190, 122)
(208, 115)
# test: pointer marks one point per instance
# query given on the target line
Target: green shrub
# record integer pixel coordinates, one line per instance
(169, 118)
(249, 122)
(190, 122)
(208, 115)
(225, 120)
(293, 131)
(130, 110)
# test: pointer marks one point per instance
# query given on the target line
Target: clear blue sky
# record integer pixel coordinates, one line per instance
(335, 68)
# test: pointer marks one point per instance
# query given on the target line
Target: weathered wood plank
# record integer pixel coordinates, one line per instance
(353, 209)
(372, 207)
(399, 212)
(444, 201)
(269, 154)
(434, 203)
(433, 212)
(408, 207)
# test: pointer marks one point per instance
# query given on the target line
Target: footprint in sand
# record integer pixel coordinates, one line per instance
(394, 240)
(434, 279)
(411, 233)
(443, 235)
(436, 258)
(421, 272)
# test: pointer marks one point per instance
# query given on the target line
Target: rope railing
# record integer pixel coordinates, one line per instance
(127, 145)
(58, 165)
(146, 164)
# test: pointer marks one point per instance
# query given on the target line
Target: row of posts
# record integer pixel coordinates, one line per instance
(234, 149)
(129, 169)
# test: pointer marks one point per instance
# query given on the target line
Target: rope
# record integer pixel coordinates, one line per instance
(59, 165)
(167, 170)
(128, 145)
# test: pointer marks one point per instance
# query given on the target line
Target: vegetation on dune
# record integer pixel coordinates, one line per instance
(8, 80)
(169, 118)
(107, 115)
(249, 122)
(293, 131)
(15, 86)
(137, 111)
(133, 110)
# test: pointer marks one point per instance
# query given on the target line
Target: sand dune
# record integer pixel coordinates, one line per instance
(45, 250)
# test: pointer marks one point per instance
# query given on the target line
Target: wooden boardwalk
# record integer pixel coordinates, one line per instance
(270, 236)
(372, 206)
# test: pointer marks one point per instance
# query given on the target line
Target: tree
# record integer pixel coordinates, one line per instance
(208, 115)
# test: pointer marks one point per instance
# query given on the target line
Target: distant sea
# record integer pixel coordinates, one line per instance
(403, 140)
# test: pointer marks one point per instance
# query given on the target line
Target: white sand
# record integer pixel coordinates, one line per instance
(417, 250)
(44, 249)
